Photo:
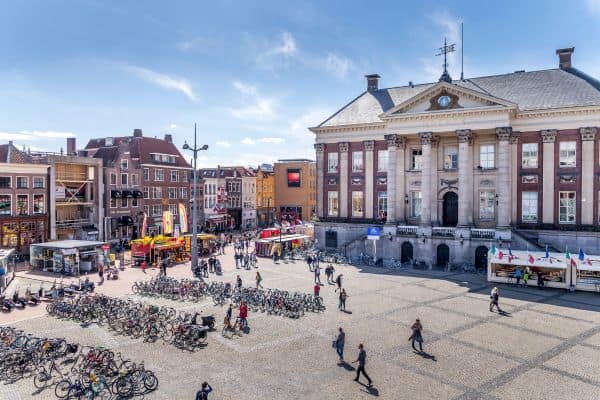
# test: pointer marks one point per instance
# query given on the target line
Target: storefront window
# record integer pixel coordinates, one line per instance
(357, 204)
(415, 204)
(529, 207)
(5, 204)
(530, 155)
(9, 235)
(39, 205)
(566, 207)
(486, 205)
(332, 204)
(22, 204)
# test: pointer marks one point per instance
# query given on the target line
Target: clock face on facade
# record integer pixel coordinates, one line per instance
(444, 101)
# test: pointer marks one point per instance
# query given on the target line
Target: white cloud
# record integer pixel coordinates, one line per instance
(309, 119)
(223, 144)
(254, 105)
(593, 6)
(248, 141)
(337, 65)
(165, 81)
(35, 135)
(286, 46)
(195, 44)
(272, 140)
(172, 126)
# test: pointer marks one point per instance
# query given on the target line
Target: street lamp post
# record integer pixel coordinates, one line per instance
(194, 241)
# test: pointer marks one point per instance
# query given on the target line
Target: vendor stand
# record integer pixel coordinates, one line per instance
(7, 268)
(586, 274)
(205, 241)
(266, 247)
(554, 268)
(66, 256)
(153, 250)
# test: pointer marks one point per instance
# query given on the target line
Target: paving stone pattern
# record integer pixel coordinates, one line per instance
(547, 346)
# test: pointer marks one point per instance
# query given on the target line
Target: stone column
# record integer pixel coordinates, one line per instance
(320, 192)
(434, 180)
(343, 198)
(391, 179)
(400, 179)
(465, 178)
(503, 189)
(514, 179)
(588, 135)
(368, 195)
(548, 138)
(426, 178)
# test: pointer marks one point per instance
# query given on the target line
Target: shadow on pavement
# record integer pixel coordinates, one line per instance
(346, 366)
(373, 391)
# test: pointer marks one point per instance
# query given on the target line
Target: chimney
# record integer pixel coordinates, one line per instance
(372, 82)
(564, 57)
(71, 146)
(168, 138)
(137, 133)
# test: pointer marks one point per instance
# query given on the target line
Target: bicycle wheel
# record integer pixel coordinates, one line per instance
(122, 387)
(41, 379)
(61, 390)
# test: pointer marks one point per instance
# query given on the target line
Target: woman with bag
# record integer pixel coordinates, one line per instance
(416, 335)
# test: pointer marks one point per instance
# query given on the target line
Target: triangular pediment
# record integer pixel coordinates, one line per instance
(446, 97)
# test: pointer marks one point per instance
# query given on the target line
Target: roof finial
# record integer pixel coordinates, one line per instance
(444, 51)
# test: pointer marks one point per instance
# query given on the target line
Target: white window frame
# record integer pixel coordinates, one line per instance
(173, 209)
(146, 192)
(528, 159)
(156, 175)
(358, 161)
(416, 202)
(333, 203)
(564, 218)
(451, 157)
(416, 160)
(567, 154)
(487, 205)
(112, 203)
(382, 198)
(183, 193)
(10, 186)
(146, 209)
(17, 204)
(26, 182)
(43, 179)
(10, 196)
(43, 202)
(134, 178)
(111, 181)
(146, 174)
(175, 173)
(527, 204)
(172, 193)
(135, 202)
(333, 162)
(126, 175)
(383, 158)
(124, 165)
(154, 208)
(487, 158)
(358, 212)
(124, 202)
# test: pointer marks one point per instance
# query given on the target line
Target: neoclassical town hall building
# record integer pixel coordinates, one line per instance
(449, 167)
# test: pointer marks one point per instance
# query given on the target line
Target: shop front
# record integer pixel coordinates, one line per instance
(278, 245)
(67, 257)
(154, 249)
(7, 268)
(586, 273)
(20, 232)
(206, 243)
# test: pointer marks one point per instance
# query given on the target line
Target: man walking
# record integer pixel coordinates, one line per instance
(362, 360)
(339, 344)
(342, 304)
(518, 275)
(494, 297)
(309, 262)
(416, 335)
(338, 281)
(317, 274)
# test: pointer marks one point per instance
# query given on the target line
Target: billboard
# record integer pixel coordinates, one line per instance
(293, 177)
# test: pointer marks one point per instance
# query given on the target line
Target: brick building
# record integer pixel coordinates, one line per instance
(295, 189)
(265, 196)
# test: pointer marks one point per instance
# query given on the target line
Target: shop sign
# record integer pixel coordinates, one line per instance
(373, 233)
(60, 193)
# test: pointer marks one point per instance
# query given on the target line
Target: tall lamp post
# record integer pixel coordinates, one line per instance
(194, 240)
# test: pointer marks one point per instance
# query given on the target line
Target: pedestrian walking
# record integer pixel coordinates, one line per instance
(338, 281)
(204, 391)
(143, 265)
(258, 280)
(494, 296)
(317, 289)
(101, 273)
(362, 361)
(540, 280)
(238, 282)
(343, 296)
(525, 278)
(317, 274)
(243, 315)
(416, 335)
(518, 275)
(309, 261)
(339, 343)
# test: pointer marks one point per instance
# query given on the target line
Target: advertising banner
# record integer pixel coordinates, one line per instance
(183, 219)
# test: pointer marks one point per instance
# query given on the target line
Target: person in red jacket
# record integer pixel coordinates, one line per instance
(317, 289)
(243, 314)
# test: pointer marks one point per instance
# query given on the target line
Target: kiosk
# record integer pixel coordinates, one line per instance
(586, 274)
(275, 244)
(66, 256)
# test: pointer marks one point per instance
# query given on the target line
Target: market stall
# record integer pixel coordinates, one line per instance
(587, 274)
(206, 243)
(276, 244)
(67, 256)
(153, 250)
(7, 268)
(553, 268)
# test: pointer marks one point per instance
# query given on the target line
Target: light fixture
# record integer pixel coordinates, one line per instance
(406, 198)
(461, 239)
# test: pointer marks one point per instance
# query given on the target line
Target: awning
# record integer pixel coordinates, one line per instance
(115, 194)
(137, 194)
(126, 220)
(127, 194)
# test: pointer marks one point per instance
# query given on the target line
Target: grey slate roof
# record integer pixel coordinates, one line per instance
(535, 90)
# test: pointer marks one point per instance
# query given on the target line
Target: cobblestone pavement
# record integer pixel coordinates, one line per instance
(547, 346)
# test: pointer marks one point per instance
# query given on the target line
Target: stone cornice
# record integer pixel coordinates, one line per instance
(560, 112)
(548, 135)
(588, 133)
(348, 128)
(455, 113)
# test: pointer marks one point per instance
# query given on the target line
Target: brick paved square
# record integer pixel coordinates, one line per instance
(474, 307)
(578, 360)
(507, 340)
(413, 293)
(537, 384)
(474, 369)
(593, 340)
(433, 319)
(546, 323)
(570, 309)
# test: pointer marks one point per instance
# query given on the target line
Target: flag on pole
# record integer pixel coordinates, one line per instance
(493, 250)
(144, 226)
(500, 255)
(573, 263)
(531, 259)
(581, 254)
(568, 253)
(547, 254)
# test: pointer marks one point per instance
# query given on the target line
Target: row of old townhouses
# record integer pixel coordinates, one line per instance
(119, 188)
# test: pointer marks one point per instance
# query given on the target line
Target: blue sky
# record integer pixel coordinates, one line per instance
(252, 75)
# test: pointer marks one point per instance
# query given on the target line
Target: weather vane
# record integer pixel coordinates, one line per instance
(444, 51)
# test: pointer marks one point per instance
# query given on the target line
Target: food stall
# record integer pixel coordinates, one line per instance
(266, 247)
(206, 243)
(153, 250)
(553, 267)
(587, 274)
(7, 268)
(66, 256)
